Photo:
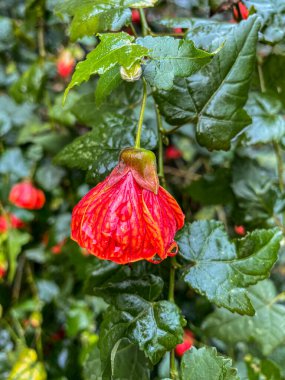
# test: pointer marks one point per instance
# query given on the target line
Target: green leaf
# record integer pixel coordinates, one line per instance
(170, 58)
(16, 240)
(254, 189)
(30, 85)
(6, 33)
(268, 122)
(156, 327)
(257, 369)
(79, 318)
(215, 96)
(49, 176)
(114, 49)
(106, 84)
(127, 362)
(91, 17)
(98, 151)
(265, 330)
(206, 364)
(272, 14)
(221, 269)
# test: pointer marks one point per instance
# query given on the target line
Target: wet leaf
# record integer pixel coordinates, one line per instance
(214, 97)
(221, 269)
(265, 330)
(170, 58)
(205, 363)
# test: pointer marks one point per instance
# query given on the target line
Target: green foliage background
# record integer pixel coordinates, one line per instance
(216, 93)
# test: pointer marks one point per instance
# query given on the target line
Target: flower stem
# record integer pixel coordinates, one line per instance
(160, 147)
(140, 123)
(279, 158)
(172, 370)
(145, 28)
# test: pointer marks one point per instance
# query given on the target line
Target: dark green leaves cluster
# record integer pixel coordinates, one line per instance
(221, 269)
(214, 97)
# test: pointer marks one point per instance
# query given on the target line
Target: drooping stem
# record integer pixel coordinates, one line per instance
(145, 28)
(41, 31)
(279, 158)
(172, 370)
(140, 123)
(160, 147)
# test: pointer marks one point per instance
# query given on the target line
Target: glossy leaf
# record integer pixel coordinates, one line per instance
(98, 151)
(215, 96)
(127, 362)
(268, 122)
(106, 84)
(221, 269)
(114, 49)
(205, 363)
(266, 330)
(170, 58)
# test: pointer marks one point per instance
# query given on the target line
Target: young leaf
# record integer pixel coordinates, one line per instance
(215, 96)
(221, 269)
(170, 58)
(266, 330)
(206, 364)
(268, 122)
(114, 49)
(16, 240)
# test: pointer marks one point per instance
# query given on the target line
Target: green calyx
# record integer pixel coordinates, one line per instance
(142, 163)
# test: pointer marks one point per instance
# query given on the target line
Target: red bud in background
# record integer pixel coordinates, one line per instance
(25, 195)
(136, 17)
(188, 341)
(240, 230)
(240, 11)
(172, 153)
(65, 64)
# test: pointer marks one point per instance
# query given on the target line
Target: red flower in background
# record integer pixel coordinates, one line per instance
(178, 30)
(2, 271)
(25, 195)
(240, 11)
(172, 153)
(240, 230)
(188, 341)
(65, 64)
(136, 17)
(128, 217)
(14, 222)
(56, 249)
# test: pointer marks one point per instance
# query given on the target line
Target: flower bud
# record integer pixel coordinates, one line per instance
(132, 74)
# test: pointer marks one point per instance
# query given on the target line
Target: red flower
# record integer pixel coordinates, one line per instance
(240, 11)
(65, 64)
(188, 341)
(178, 30)
(14, 222)
(172, 153)
(25, 195)
(128, 217)
(240, 230)
(56, 249)
(136, 17)
(2, 272)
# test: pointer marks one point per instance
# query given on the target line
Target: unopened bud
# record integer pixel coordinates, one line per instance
(132, 74)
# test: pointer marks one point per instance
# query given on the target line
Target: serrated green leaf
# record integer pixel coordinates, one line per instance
(106, 84)
(170, 58)
(206, 364)
(98, 151)
(215, 96)
(114, 49)
(156, 327)
(272, 13)
(91, 17)
(127, 362)
(255, 190)
(266, 330)
(268, 122)
(221, 269)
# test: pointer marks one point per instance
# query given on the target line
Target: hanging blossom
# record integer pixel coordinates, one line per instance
(128, 217)
(25, 195)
